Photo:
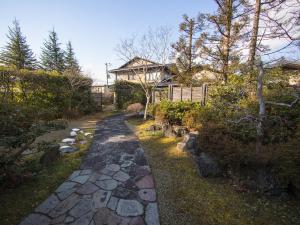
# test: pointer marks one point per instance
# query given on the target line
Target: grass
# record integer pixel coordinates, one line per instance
(18, 202)
(185, 198)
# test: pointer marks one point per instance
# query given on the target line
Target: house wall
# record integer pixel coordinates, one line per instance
(136, 77)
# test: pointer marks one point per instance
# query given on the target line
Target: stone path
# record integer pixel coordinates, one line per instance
(114, 185)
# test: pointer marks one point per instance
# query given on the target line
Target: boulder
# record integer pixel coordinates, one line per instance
(153, 127)
(207, 166)
(67, 149)
(69, 140)
(76, 129)
(179, 131)
(51, 154)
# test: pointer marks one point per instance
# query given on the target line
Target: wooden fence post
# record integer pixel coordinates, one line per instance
(191, 93)
(181, 92)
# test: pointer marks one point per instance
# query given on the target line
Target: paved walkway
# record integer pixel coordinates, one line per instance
(114, 185)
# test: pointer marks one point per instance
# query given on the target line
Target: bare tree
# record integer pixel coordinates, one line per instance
(154, 46)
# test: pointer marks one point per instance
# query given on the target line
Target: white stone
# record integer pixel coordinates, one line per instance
(151, 216)
(76, 129)
(73, 134)
(69, 140)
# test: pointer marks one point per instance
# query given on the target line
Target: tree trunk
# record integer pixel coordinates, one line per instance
(262, 108)
(255, 27)
(146, 107)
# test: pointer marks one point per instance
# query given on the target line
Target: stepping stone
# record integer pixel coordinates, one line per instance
(48, 204)
(67, 149)
(113, 167)
(87, 134)
(69, 219)
(126, 164)
(121, 176)
(107, 184)
(69, 140)
(81, 179)
(113, 202)
(66, 186)
(76, 129)
(65, 194)
(74, 174)
(145, 182)
(151, 216)
(147, 195)
(88, 188)
(121, 192)
(129, 208)
(137, 221)
(100, 198)
(73, 134)
(82, 207)
(58, 220)
(64, 206)
(33, 219)
(106, 217)
(86, 172)
(85, 219)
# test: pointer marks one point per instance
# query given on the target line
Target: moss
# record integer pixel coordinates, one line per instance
(185, 198)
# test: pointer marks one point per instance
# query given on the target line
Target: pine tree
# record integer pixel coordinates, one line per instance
(52, 57)
(185, 48)
(71, 62)
(17, 52)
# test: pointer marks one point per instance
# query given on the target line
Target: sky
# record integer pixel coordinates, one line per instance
(94, 27)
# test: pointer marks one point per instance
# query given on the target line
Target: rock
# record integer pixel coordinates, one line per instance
(86, 172)
(82, 207)
(87, 188)
(84, 220)
(65, 186)
(113, 167)
(145, 182)
(121, 176)
(129, 208)
(34, 219)
(65, 206)
(81, 179)
(179, 131)
(73, 134)
(106, 217)
(207, 166)
(154, 127)
(88, 134)
(50, 155)
(181, 146)
(113, 202)
(67, 149)
(169, 133)
(121, 192)
(75, 129)
(147, 195)
(100, 198)
(48, 205)
(107, 184)
(137, 221)
(69, 140)
(151, 216)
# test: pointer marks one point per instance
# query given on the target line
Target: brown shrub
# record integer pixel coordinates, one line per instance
(136, 107)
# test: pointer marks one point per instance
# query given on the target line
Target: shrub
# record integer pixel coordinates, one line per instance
(128, 93)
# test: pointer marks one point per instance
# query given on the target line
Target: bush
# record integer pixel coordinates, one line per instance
(128, 93)
(135, 107)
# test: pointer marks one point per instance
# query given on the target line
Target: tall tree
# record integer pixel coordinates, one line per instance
(71, 62)
(52, 57)
(17, 52)
(185, 48)
(219, 45)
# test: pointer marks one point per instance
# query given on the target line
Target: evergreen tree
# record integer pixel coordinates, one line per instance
(185, 49)
(52, 57)
(17, 52)
(71, 62)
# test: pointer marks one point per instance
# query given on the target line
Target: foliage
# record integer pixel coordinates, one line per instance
(52, 56)
(71, 62)
(17, 52)
(135, 107)
(128, 93)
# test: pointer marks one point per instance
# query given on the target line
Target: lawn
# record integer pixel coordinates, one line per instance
(186, 198)
(18, 202)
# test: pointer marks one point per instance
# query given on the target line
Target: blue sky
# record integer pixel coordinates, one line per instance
(94, 27)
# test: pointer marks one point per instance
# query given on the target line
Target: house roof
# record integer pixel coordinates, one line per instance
(151, 65)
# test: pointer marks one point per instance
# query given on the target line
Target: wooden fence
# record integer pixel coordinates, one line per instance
(181, 93)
